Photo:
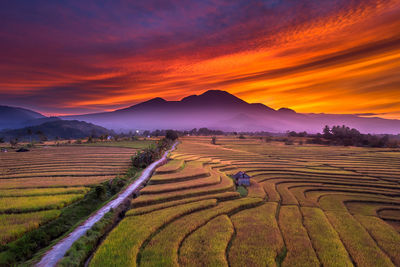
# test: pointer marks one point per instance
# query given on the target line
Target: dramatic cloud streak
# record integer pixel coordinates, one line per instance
(69, 57)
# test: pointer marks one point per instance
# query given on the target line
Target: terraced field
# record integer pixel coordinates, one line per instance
(306, 206)
(36, 185)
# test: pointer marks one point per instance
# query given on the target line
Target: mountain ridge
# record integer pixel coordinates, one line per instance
(216, 109)
(220, 110)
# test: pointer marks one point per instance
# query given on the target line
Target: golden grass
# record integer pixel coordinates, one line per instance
(171, 166)
(192, 170)
(206, 246)
(162, 250)
(60, 174)
(52, 182)
(385, 236)
(123, 243)
(336, 202)
(324, 238)
(255, 190)
(225, 185)
(330, 177)
(146, 209)
(368, 208)
(358, 242)
(272, 194)
(300, 251)
(391, 214)
(36, 203)
(287, 198)
(13, 226)
(43, 191)
(213, 179)
(258, 239)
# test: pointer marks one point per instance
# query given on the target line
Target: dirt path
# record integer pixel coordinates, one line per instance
(58, 251)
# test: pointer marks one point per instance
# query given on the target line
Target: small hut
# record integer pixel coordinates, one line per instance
(241, 178)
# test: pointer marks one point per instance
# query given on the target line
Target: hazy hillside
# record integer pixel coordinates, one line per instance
(220, 110)
(13, 117)
(63, 129)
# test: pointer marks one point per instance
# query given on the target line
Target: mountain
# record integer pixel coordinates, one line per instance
(64, 129)
(13, 117)
(221, 110)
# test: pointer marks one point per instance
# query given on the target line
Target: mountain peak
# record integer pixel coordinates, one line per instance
(152, 102)
(213, 96)
(286, 110)
(156, 100)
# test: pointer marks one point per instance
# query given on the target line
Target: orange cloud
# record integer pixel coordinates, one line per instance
(344, 61)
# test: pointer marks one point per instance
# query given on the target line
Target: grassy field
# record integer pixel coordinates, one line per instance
(138, 144)
(53, 187)
(307, 205)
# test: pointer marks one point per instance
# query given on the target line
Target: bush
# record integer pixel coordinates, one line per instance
(213, 140)
(171, 135)
(14, 142)
(144, 158)
(22, 149)
(289, 142)
(101, 191)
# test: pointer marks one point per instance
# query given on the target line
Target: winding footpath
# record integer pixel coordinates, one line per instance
(58, 251)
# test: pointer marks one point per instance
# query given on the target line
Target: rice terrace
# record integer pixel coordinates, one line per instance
(242, 133)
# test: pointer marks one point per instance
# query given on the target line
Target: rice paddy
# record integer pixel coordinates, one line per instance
(307, 205)
(35, 186)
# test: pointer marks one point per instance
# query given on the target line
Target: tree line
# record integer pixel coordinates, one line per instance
(346, 136)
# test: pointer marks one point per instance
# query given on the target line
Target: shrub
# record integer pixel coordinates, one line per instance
(22, 149)
(213, 140)
(171, 135)
(14, 142)
(101, 191)
(289, 142)
(144, 158)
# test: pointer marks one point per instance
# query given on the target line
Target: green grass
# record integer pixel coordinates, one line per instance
(36, 203)
(43, 191)
(242, 191)
(138, 144)
(13, 226)
(206, 246)
(25, 247)
(86, 244)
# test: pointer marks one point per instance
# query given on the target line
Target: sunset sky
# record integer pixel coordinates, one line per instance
(75, 56)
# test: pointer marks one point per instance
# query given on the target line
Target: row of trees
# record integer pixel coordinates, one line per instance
(144, 158)
(346, 136)
(38, 134)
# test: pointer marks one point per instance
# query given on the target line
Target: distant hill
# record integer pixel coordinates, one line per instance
(216, 109)
(14, 117)
(64, 129)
